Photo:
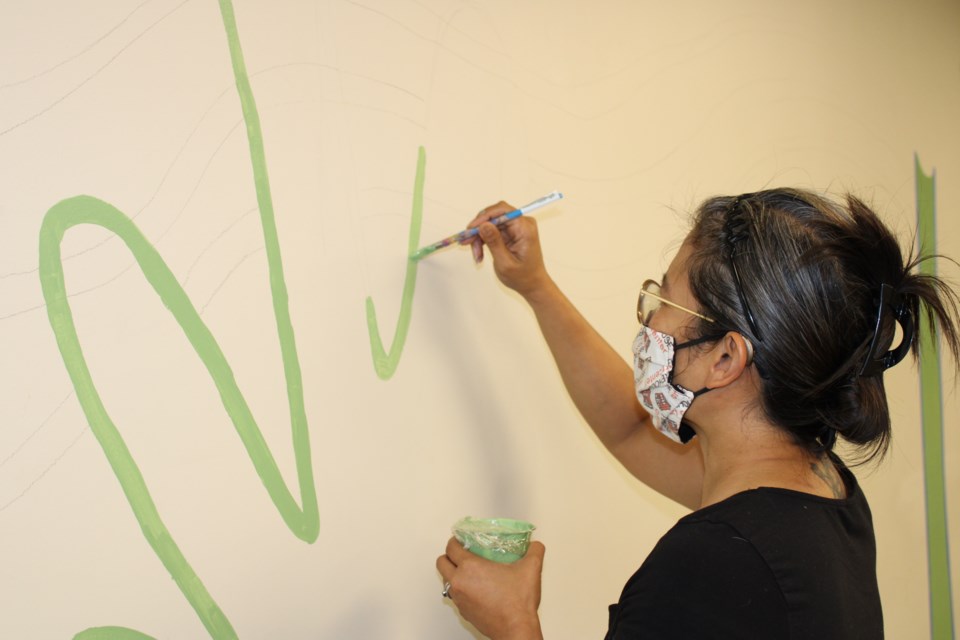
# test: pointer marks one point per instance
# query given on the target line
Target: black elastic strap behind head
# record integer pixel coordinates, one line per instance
(736, 229)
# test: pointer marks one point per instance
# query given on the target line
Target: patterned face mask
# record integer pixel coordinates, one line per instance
(653, 360)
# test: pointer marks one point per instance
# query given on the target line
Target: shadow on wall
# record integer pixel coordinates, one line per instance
(488, 429)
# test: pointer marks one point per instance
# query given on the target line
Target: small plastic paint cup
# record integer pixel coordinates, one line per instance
(498, 539)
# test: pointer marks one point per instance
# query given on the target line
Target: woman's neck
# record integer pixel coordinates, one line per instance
(763, 456)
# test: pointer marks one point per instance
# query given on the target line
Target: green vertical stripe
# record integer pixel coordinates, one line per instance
(931, 384)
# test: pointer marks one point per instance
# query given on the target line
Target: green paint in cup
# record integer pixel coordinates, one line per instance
(498, 539)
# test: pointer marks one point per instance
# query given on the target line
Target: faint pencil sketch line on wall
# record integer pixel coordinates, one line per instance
(931, 404)
(20, 312)
(119, 52)
(79, 53)
(153, 196)
(78, 252)
(503, 54)
(199, 180)
(226, 278)
(37, 430)
(335, 69)
(161, 235)
(302, 521)
(46, 470)
(446, 49)
(210, 245)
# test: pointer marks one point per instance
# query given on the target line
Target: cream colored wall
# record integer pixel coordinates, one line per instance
(635, 110)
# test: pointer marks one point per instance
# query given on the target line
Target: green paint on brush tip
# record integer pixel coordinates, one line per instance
(385, 363)
(420, 254)
(931, 403)
(303, 521)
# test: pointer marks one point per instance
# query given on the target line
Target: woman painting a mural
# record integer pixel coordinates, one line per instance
(762, 346)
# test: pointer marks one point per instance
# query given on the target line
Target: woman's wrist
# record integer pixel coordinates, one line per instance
(527, 629)
(545, 292)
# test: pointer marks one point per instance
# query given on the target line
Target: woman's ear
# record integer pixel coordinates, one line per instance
(731, 355)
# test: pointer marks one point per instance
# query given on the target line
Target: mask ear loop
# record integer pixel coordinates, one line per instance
(685, 431)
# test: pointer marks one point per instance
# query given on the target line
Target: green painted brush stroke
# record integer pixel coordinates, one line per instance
(111, 633)
(385, 364)
(931, 385)
(303, 522)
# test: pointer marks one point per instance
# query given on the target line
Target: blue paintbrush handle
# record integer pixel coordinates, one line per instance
(466, 234)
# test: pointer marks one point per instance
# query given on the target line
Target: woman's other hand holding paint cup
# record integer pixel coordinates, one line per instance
(500, 600)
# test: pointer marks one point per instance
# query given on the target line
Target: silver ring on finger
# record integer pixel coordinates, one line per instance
(446, 590)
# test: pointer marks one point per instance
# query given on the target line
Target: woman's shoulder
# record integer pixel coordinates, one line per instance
(702, 580)
(779, 506)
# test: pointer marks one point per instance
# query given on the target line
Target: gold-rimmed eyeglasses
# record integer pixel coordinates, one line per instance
(650, 300)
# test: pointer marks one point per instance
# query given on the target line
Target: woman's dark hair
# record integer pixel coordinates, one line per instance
(803, 278)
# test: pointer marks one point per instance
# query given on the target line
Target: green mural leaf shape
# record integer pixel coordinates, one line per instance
(303, 521)
(384, 363)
